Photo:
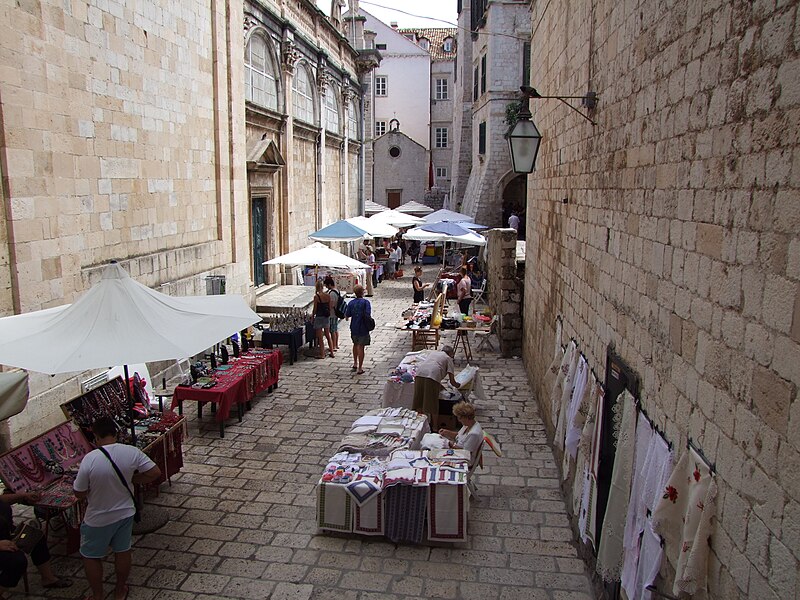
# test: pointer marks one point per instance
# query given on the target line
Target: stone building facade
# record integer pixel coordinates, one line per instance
(401, 163)
(126, 133)
(668, 232)
(493, 48)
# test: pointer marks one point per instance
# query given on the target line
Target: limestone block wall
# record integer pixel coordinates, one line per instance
(505, 289)
(122, 136)
(501, 42)
(333, 184)
(303, 211)
(678, 243)
(462, 110)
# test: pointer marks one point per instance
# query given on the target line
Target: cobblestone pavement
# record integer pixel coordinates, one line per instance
(242, 511)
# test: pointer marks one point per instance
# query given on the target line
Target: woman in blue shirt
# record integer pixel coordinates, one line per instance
(358, 309)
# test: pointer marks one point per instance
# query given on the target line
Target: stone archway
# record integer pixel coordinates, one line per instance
(515, 199)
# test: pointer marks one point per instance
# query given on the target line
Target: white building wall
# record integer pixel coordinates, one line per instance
(407, 68)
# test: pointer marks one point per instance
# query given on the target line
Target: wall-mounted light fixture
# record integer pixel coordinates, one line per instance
(524, 138)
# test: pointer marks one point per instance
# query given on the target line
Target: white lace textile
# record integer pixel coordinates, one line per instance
(576, 413)
(609, 555)
(561, 375)
(566, 394)
(590, 445)
(684, 517)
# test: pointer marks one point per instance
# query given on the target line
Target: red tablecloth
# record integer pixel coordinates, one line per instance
(252, 373)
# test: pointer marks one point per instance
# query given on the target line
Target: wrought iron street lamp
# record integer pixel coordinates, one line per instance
(524, 138)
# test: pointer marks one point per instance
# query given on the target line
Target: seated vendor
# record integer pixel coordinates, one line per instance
(470, 436)
(13, 562)
(437, 365)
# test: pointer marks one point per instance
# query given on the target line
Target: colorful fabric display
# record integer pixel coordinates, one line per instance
(334, 508)
(364, 488)
(609, 555)
(447, 513)
(684, 518)
(405, 513)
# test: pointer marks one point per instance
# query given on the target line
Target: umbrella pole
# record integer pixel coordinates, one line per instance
(130, 404)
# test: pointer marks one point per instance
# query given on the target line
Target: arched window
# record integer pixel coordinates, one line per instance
(448, 44)
(332, 120)
(424, 43)
(352, 121)
(259, 75)
(302, 95)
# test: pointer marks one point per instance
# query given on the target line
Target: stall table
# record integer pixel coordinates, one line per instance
(293, 339)
(235, 384)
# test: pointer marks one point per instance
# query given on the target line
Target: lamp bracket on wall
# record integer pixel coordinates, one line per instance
(589, 100)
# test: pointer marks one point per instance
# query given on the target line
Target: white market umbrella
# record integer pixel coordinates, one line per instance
(371, 207)
(340, 231)
(398, 219)
(374, 228)
(445, 232)
(447, 215)
(414, 208)
(119, 321)
(319, 255)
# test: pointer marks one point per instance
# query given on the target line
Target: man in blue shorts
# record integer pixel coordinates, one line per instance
(109, 516)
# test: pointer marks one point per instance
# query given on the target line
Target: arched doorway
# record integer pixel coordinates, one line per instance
(515, 199)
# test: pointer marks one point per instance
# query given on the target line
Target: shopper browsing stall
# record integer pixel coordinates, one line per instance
(464, 292)
(335, 295)
(428, 382)
(109, 515)
(419, 287)
(321, 316)
(360, 311)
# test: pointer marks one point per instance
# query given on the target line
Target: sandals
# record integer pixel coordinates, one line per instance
(360, 372)
(58, 584)
(353, 368)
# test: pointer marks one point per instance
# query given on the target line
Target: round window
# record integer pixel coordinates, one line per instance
(394, 151)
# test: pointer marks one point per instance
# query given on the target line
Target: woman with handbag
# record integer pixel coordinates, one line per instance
(359, 310)
(13, 562)
(321, 316)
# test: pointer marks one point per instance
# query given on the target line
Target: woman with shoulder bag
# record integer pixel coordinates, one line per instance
(321, 315)
(334, 324)
(360, 311)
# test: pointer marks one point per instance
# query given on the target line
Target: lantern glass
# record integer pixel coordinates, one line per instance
(523, 142)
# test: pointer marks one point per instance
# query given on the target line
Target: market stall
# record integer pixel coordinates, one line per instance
(394, 489)
(233, 385)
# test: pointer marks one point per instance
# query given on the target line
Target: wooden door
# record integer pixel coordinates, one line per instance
(394, 198)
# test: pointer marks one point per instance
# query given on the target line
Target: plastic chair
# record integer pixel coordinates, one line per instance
(485, 336)
(471, 485)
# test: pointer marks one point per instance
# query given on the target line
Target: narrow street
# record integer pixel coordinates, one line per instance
(243, 510)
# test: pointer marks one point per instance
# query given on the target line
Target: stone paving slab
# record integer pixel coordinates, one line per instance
(242, 511)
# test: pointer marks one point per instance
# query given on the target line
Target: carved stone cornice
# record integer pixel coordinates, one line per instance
(324, 79)
(249, 23)
(347, 94)
(289, 56)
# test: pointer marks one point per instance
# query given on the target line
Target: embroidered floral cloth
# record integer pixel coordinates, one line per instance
(609, 555)
(684, 518)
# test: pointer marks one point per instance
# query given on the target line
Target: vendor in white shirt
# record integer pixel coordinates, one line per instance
(470, 436)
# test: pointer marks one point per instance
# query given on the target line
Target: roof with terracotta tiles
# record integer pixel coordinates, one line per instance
(436, 36)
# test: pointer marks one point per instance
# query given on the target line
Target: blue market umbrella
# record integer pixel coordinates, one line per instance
(341, 231)
(445, 231)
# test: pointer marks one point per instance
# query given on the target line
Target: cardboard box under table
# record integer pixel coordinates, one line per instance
(233, 385)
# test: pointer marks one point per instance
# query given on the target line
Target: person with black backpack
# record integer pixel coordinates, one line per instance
(339, 305)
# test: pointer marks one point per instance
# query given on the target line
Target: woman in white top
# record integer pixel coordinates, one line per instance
(470, 436)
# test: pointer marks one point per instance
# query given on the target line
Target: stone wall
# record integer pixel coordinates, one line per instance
(670, 230)
(462, 111)
(508, 25)
(505, 288)
(407, 172)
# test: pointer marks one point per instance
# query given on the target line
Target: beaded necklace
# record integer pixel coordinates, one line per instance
(51, 464)
(33, 473)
